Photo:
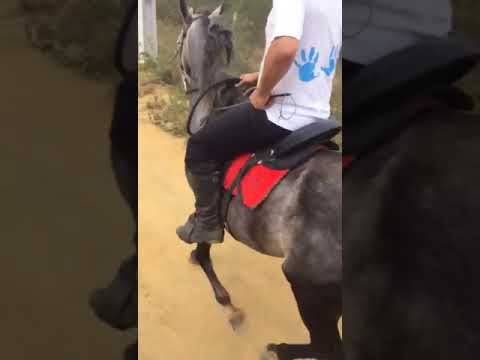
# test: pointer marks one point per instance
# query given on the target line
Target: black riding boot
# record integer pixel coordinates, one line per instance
(117, 303)
(205, 224)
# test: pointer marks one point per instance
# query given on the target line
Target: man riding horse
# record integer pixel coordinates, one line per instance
(294, 87)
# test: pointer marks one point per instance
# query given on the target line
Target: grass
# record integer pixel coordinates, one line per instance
(81, 34)
(170, 114)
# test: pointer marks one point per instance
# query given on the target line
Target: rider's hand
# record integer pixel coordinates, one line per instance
(249, 79)
(259, 100)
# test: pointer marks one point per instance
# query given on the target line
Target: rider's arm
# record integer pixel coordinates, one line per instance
(279, 59)
(288, 20)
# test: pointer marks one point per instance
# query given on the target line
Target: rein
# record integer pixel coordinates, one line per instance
(231, 81)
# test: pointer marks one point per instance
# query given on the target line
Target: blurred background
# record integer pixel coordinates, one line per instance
(64, 226)
(77, 34)
(466, 21)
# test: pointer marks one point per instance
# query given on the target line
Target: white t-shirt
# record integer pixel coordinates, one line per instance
(318, 26)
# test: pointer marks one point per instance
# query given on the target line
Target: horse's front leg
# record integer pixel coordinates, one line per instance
(201, 256)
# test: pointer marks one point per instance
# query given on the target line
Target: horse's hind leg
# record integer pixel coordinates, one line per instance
(320, 309)
(201, 256)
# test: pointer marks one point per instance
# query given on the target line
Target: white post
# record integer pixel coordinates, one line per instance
(147, 28)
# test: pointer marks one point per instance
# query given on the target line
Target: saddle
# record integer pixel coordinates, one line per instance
(423, 69)
(254, 176)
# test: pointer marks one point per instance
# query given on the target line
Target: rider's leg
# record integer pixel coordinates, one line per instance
(205, 224)
(239, 130)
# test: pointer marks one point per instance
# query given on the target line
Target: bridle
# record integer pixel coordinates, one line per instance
(180, 45)
(230, 82)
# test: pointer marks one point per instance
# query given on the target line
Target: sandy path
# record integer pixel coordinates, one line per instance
(179, 318)
(64, 227)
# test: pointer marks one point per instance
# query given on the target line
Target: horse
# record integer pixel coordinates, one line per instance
(410, 206)
(300, 221)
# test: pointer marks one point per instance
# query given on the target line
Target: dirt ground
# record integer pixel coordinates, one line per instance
(179, 318)
(60, 209)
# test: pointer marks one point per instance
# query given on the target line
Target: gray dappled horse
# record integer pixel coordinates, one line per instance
(411, 201)
(301, 219)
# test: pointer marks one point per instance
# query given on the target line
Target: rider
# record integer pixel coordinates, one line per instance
(303, 42)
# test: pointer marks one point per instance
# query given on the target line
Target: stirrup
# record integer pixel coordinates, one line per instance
(192, 233)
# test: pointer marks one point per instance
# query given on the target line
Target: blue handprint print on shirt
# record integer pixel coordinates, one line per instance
(307, 70)
(332, 62)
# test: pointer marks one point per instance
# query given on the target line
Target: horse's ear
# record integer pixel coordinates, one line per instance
(186, 12)
(217, 12)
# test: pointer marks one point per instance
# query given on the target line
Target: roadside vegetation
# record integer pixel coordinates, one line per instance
(78, 33)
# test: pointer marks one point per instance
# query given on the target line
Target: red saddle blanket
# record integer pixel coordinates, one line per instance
(257, 183)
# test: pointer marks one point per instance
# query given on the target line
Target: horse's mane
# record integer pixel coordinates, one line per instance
(221, 39)
(219, 46)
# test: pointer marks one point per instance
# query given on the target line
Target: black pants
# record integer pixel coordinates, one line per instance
(237, 131)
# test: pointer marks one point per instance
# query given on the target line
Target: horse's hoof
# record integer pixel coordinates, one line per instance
(269, 355)
(222, 296)
(193, 258)
(237, 318)
(272, 348)
(296, 352)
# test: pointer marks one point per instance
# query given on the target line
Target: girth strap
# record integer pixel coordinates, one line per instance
(228, 195)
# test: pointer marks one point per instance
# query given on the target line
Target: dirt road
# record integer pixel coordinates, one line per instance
(179, 318)
(64, 227)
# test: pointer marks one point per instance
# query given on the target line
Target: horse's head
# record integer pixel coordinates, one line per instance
(205, 48)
